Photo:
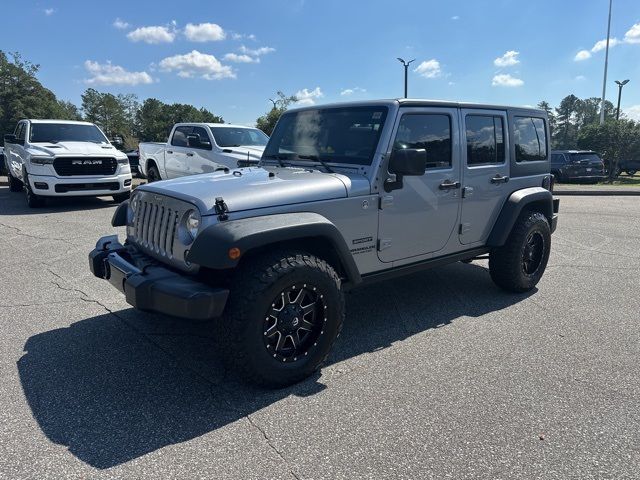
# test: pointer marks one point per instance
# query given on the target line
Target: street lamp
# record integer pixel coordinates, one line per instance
(620, 85)
(406, 72)
(606, 64)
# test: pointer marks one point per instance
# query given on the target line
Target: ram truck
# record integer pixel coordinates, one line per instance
(195, 148)
(345, 195)
(59, 158)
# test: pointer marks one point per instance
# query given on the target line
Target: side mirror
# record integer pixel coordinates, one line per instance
(9, 138)
(408, 161)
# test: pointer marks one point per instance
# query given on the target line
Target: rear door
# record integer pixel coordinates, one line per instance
(485, 171)
(420, 217)
(175, 158)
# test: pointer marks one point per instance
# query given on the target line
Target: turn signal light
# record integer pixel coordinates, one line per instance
(234, 253)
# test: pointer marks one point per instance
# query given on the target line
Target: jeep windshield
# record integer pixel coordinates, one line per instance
(331, 135)
(65, 132)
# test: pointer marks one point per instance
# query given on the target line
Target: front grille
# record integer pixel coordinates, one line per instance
(77, 187)
(70, 166)
(155, 228)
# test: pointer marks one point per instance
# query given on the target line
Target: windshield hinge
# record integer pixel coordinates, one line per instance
(221, 209)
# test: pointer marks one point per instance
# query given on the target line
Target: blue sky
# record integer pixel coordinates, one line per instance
(231, 57)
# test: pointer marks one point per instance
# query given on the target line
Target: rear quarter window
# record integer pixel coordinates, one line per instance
(530, 139)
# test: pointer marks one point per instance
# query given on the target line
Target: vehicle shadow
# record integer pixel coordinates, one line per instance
(14, 203)
(114, 388)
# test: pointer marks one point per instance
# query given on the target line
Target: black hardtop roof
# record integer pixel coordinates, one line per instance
(412, 102)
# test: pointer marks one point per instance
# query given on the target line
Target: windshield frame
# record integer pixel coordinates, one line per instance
(101, 136)
(291, 157)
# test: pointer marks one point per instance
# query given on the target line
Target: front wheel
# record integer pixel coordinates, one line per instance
(15, 185)
(285, 311)
(518, 265)
(33, 200)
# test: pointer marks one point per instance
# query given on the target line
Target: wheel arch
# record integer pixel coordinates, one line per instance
(305, 231)
(535, 199)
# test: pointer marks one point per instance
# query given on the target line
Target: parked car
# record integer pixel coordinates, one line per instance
(201, 148)
(346, 194)
(577, 166)
(3, 166)
(630, 167)
(59, 158)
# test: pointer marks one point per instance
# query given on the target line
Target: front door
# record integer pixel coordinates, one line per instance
(175, 158)
(420, 217)
(485, 172)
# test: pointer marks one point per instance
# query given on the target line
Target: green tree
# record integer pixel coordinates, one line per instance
(544, 105)
(23, 96)
(566, 130)
(267, 122)
(116, 114)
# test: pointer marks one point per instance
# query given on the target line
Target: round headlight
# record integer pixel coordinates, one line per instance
(193, 223)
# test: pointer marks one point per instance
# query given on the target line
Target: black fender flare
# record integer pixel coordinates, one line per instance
(537, 197)
(211, 247)
(119, 218)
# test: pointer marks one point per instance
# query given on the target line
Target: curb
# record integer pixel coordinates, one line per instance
(605, 193)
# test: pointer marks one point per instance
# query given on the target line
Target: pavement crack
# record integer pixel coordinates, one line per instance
(272, 446)
(19, 232)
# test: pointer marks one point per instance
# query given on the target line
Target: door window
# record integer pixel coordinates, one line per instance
(530, 139)
(21, 132)
(485, 139)
(180, 136)
(431, 132)
(203, 141)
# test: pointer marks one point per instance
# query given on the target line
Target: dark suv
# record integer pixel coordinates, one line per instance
(577, 166)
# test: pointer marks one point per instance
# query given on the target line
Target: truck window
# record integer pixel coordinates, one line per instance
(431, 132)
(235, 137)
(485, 139)
(179, 138)
(21, 132)
(205, 142)
(530, 139)
(65, 132)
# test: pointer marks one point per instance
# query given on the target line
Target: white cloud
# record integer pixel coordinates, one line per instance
(602, 44)
(196, 64)
(234, 57)
(153, 35)
(257, 52)
(108, 74)
(351, 91)
(633, 34)
(582, 55)
(308, 97)
(429, 69)
(49, 11)
(632, 112)
(509, 59)
(455, 17)
(204, 32)
(240, 36)
(506, 80)
(120, 24)
(580, 78)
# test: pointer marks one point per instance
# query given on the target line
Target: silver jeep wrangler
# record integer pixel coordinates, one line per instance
(344, 195)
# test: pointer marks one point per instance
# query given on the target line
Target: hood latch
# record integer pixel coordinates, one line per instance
(221, 209)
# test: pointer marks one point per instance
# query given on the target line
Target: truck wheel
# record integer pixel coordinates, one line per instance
(284, 313)
(518, 265)
(15, 185)
(33, 200)
(153, 175)
(631, 172)
(121, 197)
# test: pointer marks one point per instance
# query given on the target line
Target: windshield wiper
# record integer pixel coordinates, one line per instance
(315, 158)
(279, 158)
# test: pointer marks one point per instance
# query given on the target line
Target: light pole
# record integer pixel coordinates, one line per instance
(606, 64)
(620, 85)
(406, 73)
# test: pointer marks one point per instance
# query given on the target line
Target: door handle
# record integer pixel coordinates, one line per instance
(449, 185)
(499, 179)
(189, 154)
(169, 151)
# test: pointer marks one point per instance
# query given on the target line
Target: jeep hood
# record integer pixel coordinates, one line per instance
(254, 188)
(75, 148)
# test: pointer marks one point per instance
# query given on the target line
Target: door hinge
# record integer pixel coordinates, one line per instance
(464, 228)
(386, 202)
(384, 243)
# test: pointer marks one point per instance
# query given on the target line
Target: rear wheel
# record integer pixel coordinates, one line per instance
(631, 172)
(518, 265)
(284, 313)
(153, 175)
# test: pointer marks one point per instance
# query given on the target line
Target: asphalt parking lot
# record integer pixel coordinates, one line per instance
(436, 375)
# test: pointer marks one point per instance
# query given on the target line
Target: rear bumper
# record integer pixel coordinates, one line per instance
(151, 287)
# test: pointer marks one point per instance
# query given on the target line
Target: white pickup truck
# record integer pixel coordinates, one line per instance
(201, 148)
(60, 158)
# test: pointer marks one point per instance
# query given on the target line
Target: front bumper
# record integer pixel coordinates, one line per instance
(50, 186)
(149, 286)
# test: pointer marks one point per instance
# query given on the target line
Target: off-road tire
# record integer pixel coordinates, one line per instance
(15, 185)
(254, 287)
(507, 263)
(631, 172)
(153, 174)
(33, 200)
(121, 197)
